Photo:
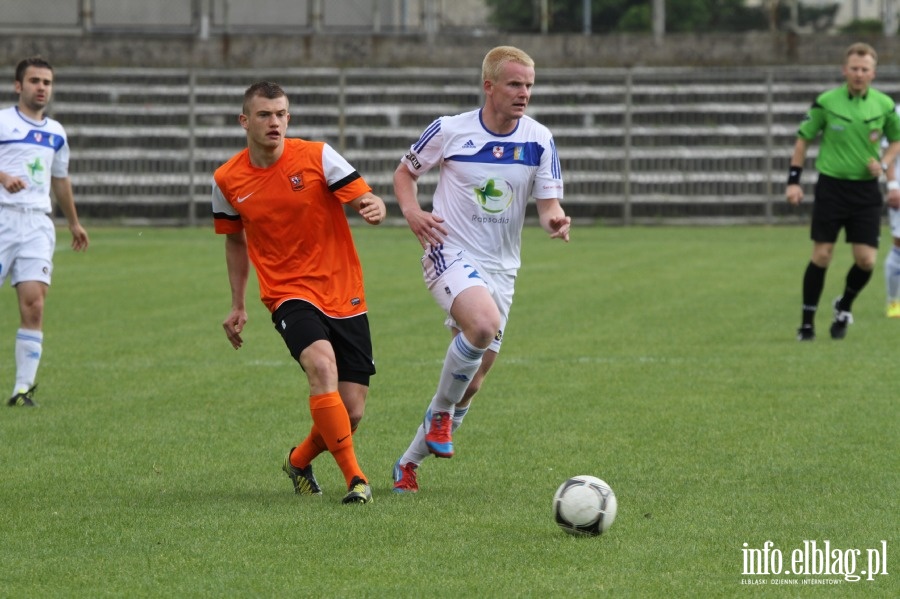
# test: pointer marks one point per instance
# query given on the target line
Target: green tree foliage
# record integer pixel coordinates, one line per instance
(610, 16)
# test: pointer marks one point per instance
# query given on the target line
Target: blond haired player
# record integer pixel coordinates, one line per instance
(492, 161)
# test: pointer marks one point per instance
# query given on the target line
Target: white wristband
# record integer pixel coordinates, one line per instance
(893, 185)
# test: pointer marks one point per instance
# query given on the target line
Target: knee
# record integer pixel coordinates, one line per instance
(356, 416)
(32, 312)
(320, 371)
(483, 331)
(822, 259)
(866, 264)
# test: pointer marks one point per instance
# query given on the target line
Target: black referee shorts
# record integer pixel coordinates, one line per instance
(855, 206)
(301, 324)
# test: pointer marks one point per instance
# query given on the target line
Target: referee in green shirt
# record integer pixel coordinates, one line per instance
(853, 119)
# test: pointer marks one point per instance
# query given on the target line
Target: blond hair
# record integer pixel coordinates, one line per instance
(496, 59)
(861, 49)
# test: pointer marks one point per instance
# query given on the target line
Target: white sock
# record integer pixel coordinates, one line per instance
(458, 415)
(28, 357)
(460, 365)
(892, 274)
(417, 450)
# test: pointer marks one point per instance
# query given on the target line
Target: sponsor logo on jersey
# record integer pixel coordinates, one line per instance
(468, 145)
(518, 153)
(36, 170)
(495, 195)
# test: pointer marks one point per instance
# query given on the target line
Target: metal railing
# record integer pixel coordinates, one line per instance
(636, 145)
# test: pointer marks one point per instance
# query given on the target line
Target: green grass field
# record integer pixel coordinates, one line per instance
(662, 360)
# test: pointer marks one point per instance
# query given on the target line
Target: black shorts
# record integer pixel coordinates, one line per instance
(301, 324)
(855, 206)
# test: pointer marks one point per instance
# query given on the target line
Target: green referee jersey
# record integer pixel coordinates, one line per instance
(852, 129)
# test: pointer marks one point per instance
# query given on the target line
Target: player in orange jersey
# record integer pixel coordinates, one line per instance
(280, 204)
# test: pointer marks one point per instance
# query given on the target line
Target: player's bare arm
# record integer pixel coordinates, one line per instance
(553, 219)
(426, 226)
(238, 263)
(370, 207)
(65, 199)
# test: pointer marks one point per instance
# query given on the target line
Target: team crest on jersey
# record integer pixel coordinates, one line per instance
(38, 136)
(498, 152)
(296, 182)
(874, 135)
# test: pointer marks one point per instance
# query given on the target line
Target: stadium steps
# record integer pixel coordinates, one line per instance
(692, 142)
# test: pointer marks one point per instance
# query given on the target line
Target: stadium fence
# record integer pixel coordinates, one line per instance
(638, 145)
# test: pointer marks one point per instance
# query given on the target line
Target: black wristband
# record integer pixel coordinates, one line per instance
(794, 175)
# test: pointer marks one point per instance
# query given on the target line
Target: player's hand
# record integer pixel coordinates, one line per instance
(794, 194)
(875, 168)
(372, 209)
(893, 198)
(80, 239)
(12, 184)
(233, 326)
(560, 226)
(426, 226)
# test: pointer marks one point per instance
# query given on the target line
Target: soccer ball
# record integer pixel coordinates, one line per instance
(584, 505)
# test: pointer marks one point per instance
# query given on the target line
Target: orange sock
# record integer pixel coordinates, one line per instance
(331, 420)
(308, 449)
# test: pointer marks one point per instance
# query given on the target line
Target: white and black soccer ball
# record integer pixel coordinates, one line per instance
(584, 505)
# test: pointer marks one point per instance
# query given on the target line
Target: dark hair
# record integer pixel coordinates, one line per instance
(266, 89)
(33, 61)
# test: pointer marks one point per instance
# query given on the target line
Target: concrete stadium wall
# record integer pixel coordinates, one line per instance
(352, 50)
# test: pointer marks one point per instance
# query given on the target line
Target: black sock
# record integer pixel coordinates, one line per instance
(856, 280)
(813, 283)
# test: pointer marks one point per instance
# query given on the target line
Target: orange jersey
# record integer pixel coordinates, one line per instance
(298, 237)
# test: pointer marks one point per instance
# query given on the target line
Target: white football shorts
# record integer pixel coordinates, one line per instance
(27, 242)
(449, 271)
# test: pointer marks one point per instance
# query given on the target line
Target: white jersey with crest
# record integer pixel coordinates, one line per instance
(34, 152)
(486, 181)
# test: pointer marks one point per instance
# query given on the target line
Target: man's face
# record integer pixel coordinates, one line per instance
(510, 94)
(266, 121)
(859, 71)
(35, 88)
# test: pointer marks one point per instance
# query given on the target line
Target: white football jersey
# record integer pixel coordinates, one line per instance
(486, 181)
(34, 152)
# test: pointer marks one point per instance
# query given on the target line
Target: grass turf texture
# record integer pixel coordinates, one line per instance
(662, 360)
